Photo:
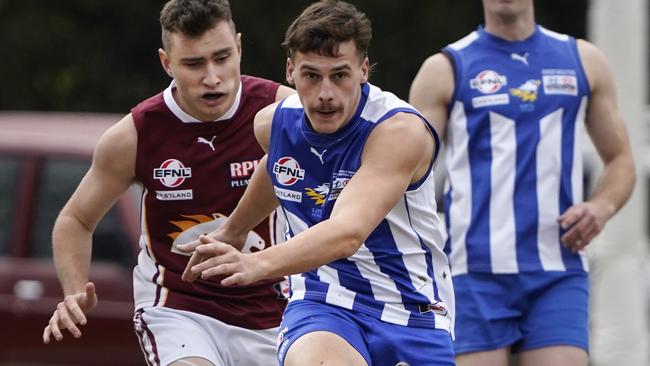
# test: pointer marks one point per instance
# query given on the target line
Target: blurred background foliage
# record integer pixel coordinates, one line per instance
(101, 56)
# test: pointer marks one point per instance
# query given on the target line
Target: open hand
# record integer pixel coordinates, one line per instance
(70, 312)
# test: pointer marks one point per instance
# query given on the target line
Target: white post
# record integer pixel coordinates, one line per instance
(619, 305)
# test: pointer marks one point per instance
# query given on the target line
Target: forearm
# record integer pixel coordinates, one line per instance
(320, 245)
(615, 184)
(71, 253)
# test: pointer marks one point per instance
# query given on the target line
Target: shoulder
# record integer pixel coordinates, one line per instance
(439, 62)
(434, 81)
(262, 124)
(253, 85)
(257, 87)
(116, 148)
(401, 143)
(403, 125)
(152, 103)
(594, 63)
(400, 128)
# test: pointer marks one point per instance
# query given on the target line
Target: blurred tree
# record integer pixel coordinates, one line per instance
(102, 55)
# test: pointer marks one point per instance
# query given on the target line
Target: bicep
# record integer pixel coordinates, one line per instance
(432, 89)
(388, 167)
(262, 125)
(604, 121)
(110, 175)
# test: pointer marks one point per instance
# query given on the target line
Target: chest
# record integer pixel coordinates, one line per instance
(523, 85)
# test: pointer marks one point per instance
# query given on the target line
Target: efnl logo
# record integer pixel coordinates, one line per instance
(172, 173)
(287, 171)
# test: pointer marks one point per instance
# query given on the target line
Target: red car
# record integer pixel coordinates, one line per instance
(43, 156)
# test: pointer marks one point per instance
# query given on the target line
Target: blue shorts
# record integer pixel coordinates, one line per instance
(523, 311)
(380, 343)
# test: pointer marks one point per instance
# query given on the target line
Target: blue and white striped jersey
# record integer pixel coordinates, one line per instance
(513, 152)
(400, 274)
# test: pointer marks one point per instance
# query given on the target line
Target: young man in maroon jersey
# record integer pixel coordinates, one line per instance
(192, 149)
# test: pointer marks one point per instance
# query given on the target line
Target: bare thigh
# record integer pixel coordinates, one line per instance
(322, 348)
(554, 356)
(497, 357)
(192, 361)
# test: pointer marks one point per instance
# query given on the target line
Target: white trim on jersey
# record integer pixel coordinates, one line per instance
(465, 41)
(297, 284)
(577, 173)
(383, 288)
(457, 163)
(336, 294)
(556, 35)
(379, 103)
(144, 289)
(414, 257)
(292, 101)
(549, 172)
(185, 117)
(503, 256)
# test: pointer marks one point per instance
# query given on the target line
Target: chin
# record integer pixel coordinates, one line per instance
(326, 128)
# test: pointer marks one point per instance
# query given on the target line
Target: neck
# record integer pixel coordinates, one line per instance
(511, 27)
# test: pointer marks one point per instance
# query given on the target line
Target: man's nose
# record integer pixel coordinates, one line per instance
(211, 78)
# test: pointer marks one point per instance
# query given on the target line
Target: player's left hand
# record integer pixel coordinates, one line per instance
(583, 222)
(214, 258)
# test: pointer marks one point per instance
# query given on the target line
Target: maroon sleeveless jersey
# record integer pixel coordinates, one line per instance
(193, 174)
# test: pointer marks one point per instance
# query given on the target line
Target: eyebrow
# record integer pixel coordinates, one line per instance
(345, 67)
(214, 54)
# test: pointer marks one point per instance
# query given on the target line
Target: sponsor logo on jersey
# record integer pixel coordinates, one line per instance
(488, 82)
(523, 58)
(210, 143)
(240, 172)
(319, 193)
(287, 171)
(288, 195)
(178, 195)
(172, 173)
(337, 186)
(490, 100)
(318, 154)
(527, 91)
(560, 84)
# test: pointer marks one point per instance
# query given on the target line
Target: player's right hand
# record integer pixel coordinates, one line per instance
(70, 312)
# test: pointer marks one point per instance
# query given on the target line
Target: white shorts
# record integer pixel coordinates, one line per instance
(167, 335)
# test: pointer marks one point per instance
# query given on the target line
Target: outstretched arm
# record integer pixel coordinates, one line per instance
(388, 166)
(607, 130)
(110, 174)
(256, 204)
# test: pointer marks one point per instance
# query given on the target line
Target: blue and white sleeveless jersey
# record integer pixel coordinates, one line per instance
(400, 274)
(513, 152)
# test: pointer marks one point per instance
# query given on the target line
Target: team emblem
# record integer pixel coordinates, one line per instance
(319, 193)
(488, 82)
(287, 171)
(172, 173)
(527, 91)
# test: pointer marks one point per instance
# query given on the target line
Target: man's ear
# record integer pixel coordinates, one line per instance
(290, 69)
(365, 69)
(238, 41)
(165, 61)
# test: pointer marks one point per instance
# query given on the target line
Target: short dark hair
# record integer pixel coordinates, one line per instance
(193, 17)
(324, 25)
